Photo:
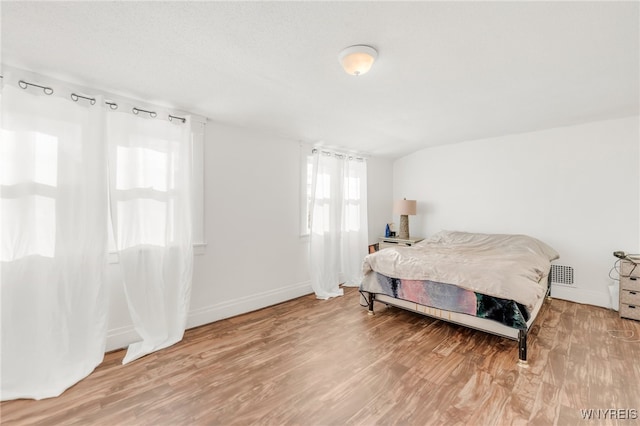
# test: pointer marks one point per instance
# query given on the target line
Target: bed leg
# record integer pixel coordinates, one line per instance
(522, 348)
(371, 299)
(549, 286)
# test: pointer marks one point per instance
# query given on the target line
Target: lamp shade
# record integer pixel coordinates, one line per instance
(357, 60)
(404, 207)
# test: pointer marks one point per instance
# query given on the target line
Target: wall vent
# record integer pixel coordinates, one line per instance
(561, 274)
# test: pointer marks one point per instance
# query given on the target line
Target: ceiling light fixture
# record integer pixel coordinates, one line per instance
(357, 60)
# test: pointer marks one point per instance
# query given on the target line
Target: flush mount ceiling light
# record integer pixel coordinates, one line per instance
(357, 60)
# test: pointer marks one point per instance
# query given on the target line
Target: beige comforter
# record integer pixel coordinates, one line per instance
(506, 266)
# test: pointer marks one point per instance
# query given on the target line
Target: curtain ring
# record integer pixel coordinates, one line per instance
(171, 117)
(75, 98)
(47, 90)
(136, 110)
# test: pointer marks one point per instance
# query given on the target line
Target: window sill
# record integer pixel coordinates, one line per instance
(113, 257)
(198, 250)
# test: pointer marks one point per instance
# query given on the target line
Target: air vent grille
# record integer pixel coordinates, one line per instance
(561, 274)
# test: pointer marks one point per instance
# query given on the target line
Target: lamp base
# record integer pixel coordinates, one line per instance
(404, 227)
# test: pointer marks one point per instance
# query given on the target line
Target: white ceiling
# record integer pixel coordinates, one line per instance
(446, 71)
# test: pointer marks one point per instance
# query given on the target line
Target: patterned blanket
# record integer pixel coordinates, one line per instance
(452, 298)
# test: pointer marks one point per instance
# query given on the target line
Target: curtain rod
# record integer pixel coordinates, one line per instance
(75, 97)
(337, 154)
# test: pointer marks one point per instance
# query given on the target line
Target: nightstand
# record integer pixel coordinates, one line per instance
(629, 290)
(386, 242)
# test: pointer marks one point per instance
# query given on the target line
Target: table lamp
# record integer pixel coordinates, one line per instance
(404, 208)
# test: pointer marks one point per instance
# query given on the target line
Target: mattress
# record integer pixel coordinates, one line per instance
(503, 266)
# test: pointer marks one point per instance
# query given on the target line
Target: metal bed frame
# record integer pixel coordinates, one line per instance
(481, 324)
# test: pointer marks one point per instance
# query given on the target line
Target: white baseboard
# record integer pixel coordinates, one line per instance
(581, 295)
(242, 305)
(122, 337)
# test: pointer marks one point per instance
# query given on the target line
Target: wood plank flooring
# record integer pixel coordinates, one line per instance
(326, 362)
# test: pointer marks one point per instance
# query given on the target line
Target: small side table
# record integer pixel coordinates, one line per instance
(386, 242)
(629, 289)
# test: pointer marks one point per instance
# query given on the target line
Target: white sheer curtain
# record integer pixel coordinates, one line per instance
(53, 219)
(338, 222)
(355, 227)
(64, 166)
(151, 214)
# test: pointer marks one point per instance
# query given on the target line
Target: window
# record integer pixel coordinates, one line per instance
(351, 190)
(28, 214)
(145, 177)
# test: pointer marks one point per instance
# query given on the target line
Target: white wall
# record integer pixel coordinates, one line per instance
(254, 256)
(576, 188)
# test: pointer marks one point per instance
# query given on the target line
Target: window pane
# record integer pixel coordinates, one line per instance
(323, 187)
(28, 227)
(352, 217)
(352, 186)
(141, 221)
(141, 168)
(28, 157)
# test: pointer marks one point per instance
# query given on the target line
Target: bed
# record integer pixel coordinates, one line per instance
(495, 283)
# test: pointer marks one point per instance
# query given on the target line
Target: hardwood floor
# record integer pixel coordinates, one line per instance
(315, 362)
